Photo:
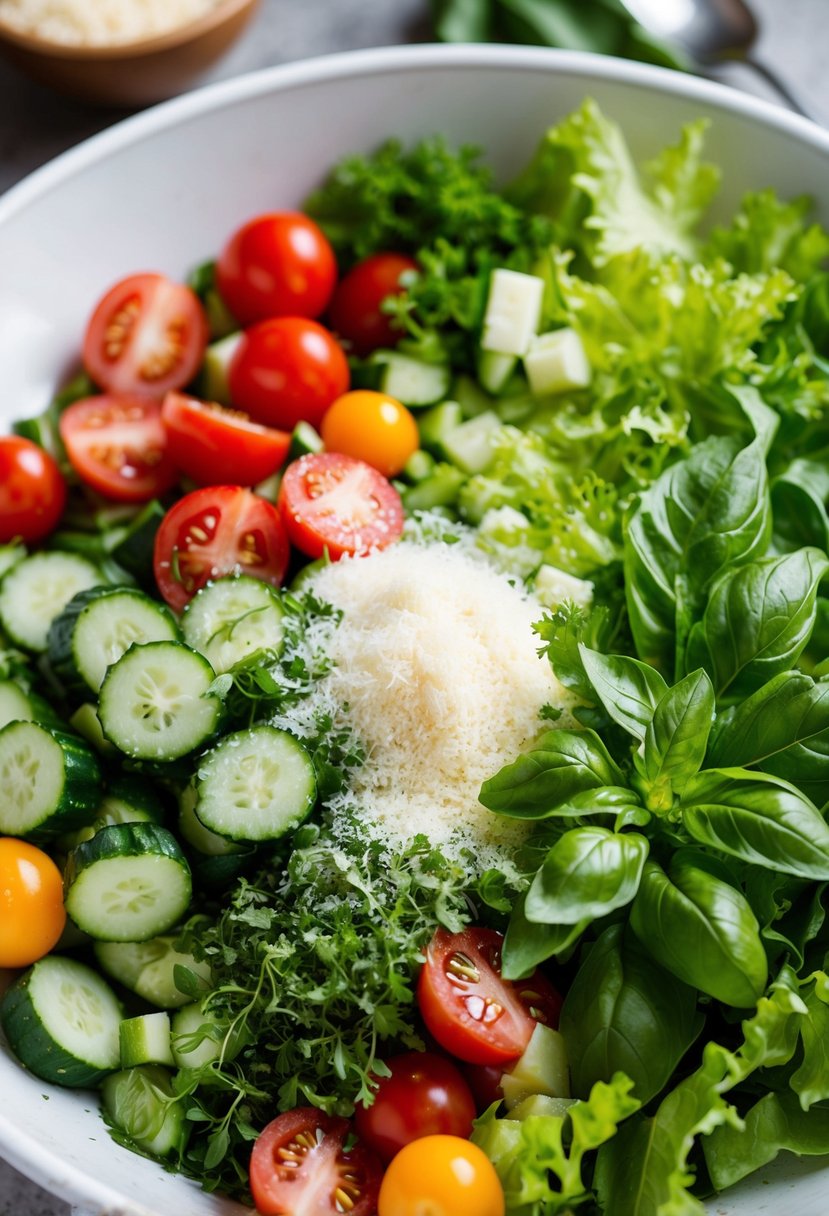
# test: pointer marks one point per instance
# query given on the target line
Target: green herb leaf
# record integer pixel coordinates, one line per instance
(561, 764)
(629, 690)
(587, 874)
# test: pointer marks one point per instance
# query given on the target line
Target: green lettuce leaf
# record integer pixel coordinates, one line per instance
(769, 233)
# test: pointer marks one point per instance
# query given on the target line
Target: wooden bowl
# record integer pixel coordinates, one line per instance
(130, 73)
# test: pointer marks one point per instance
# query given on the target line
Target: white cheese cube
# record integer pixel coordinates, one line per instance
(556, 362)
(513, 311)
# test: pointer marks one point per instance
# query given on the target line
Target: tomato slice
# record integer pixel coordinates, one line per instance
(215, 531)
(214, 445)
(299, 1167)
(117, 444)
(334, 502)
(467, 1006)
(146, 335)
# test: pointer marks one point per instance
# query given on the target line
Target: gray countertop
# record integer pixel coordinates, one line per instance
(36, 125)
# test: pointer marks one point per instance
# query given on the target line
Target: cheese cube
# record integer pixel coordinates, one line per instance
(513, 311)
(556, 362)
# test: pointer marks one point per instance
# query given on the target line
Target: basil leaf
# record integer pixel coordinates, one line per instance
(629, 690)
(676, 740)
(797, 503)
(588, 873)
(775, 1124)
(607, 800)
(625, 1013)
(759, 819)
(701, 515)
(702, 930)
(758, 620)
(782, 728)
(561, 764)
(526, 944)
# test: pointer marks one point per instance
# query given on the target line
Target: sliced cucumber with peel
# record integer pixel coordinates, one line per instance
(17, 705)
(149, 969)
(411, 381)
(50, 782)
(98, 626)
(200, 1038)
(37, 590)
(146, 1039)
(255, 785)
(231, 619)
(62, 1022)
(129, 883)
(154, 702)
(141, 1103)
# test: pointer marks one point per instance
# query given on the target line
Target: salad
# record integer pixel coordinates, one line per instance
(414, 718)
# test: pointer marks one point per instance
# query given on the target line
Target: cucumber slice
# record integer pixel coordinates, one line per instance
(542, 1069)
(412, 381)
(154, 702)
(419, 466)
(200, 1038)
(141, 1103)
(439, 489)
(11, 556)
(256, 785)
(304, 441)
(495, 370)
(97, 627)
(50, 782)
(133, 549)
(231, 619)
(129, 883)
(469, 446)
(37, 590)
(149, 969)
(16, 705)
(87, 724)
(146, 1039)
(437, 423)
(128, 800)
(191, 828)
(61, 1020)
(213, 377)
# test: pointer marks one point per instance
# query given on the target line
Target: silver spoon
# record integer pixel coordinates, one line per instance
(712, 31)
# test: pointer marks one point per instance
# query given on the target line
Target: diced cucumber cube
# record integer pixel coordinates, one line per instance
(556, 362)
(542, 1069)
(213, 379)
(437, 423)
(494, 370)
(412, 381)
(469, 446)
(513, 311)
(146, 1040)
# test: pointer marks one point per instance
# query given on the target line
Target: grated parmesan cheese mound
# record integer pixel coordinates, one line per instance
(100, 22)
(436, 673)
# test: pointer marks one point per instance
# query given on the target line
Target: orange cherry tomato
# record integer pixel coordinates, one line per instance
(32, 914)
(372, 427)
(441, 1175)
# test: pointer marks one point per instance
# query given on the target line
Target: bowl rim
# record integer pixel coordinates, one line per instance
(21, 1151)
(223, 11)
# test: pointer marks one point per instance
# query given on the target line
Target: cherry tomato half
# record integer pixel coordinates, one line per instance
(277, 265)
(287, 370)
(424, 1096)
(373, 427)
(336, 503)
(214, 531)
(32, 914)
(356, 313)
(469, 1009)
(441, 1175)
(117, 444)
(146, 335)
(214, 445)
(32, 491)
(299, 1165)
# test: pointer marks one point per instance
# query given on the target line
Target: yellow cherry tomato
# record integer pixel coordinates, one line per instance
(441, 1176)
(32, 914)
(374, 427)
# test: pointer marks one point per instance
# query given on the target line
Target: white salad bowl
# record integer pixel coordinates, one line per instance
(160, 192)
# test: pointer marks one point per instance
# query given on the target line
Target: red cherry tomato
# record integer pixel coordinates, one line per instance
(214, 531)
(300, 1167)
(146, 335)
(424, 1096)
(214, 445)
(469, 1009)
(287, 370)
(277, 265)
(32, 491)
(355, 312)
(117, 444)
(336, 503)
(485, 1082)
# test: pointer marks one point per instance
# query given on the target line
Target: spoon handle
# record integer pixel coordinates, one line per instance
(784, 90)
